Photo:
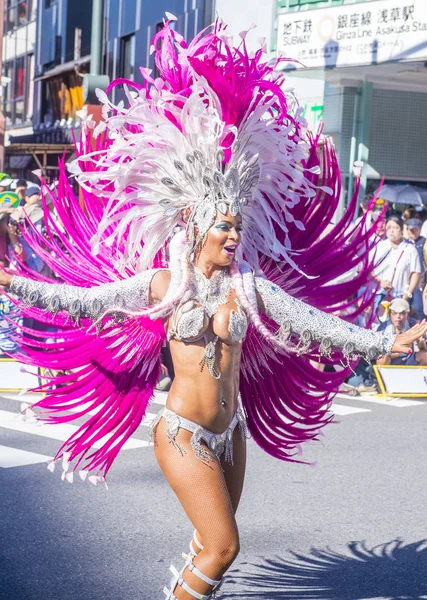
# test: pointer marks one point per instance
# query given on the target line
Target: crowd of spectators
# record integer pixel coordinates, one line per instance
(15, 250)
(400, 257)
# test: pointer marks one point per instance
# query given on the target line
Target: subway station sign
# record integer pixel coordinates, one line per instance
(357, 34)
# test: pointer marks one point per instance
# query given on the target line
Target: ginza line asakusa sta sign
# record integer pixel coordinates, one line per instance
(358, 34)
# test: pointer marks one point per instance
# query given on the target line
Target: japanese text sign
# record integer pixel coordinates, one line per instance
(358, 34)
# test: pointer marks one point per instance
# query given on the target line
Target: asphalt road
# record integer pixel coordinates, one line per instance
(352, 527)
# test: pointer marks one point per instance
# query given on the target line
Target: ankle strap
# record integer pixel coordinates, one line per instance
(193, 552)
(201, 575)
(169, 594)
(198, 544)
(186, 587)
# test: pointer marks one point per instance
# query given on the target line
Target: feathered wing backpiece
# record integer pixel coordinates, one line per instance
(108, 376)
(216, 131)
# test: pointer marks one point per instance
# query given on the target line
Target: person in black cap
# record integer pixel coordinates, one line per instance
(32, 195)
(414, 237)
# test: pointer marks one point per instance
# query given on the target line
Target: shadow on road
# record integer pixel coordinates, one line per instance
(395, 570)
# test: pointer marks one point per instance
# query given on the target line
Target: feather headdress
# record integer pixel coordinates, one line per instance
(172, 151)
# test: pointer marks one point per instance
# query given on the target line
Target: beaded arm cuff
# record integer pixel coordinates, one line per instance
(128, 295)
(314, 326)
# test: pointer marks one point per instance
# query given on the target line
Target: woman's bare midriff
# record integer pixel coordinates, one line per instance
(198, 396)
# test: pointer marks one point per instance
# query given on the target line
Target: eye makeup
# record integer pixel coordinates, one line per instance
(226, 225)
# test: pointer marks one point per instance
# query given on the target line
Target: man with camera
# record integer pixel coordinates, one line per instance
(399, 322)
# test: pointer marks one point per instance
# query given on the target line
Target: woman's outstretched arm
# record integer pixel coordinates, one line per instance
(314, 326)
(131, 294)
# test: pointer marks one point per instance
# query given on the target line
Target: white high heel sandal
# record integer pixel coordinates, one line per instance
(178, 580)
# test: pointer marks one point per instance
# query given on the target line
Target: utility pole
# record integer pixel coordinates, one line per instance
(95, 79)
(96, 37)
(2, 119)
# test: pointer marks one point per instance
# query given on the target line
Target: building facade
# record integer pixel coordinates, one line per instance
(365, 74)
(44, 45)
(130, 25)
(19, 40)
(18, 62)
(47, 52)
(371, 57)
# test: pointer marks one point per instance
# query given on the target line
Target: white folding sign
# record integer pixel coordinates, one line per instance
(14, 376)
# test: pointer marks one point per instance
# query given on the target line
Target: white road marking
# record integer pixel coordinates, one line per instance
(27, 399)
(396, 402)
(340, 409)
(61, 432)
(12, 457)
(403, 403)
(160, 398)
(146, 422)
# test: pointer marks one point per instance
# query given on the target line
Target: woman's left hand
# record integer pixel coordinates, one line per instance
(403, 342)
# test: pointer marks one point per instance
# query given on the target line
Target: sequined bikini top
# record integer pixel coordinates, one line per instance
(191, 319)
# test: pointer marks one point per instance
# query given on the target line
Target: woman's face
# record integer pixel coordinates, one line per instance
(393, 232)
(222, 241)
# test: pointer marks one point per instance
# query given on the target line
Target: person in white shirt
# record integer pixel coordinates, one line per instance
(398, 267)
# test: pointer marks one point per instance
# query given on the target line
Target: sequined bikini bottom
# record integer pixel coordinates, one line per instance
(218, 443)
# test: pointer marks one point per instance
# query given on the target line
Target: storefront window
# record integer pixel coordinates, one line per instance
(16, 96)
(20, 77)
(62, 98)
(20, 111)
(17, 14)
(7, 95)
(159, 27)
(47, 106)
(127, 66)
(7, 111)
